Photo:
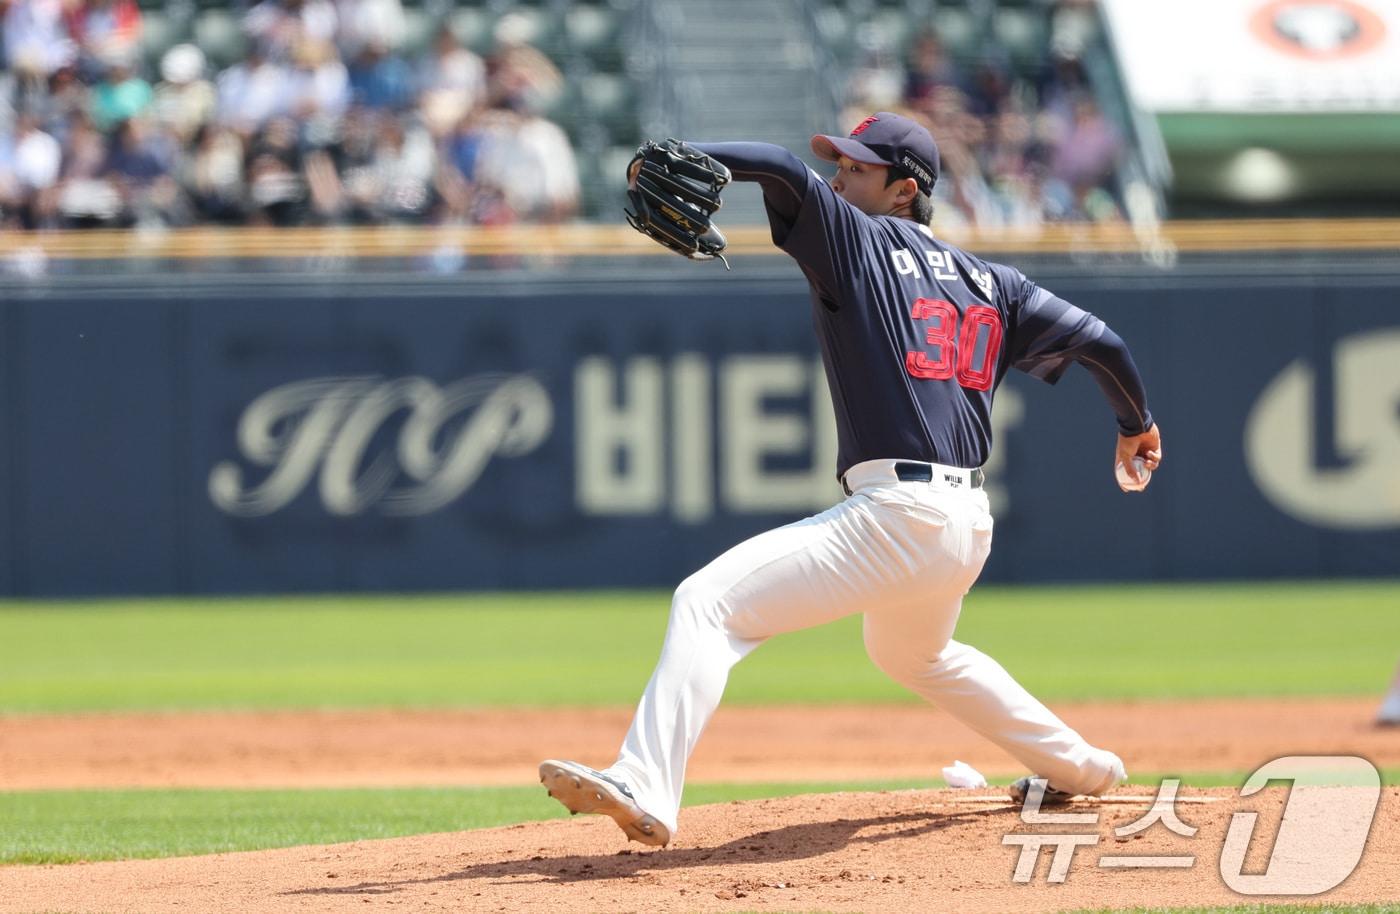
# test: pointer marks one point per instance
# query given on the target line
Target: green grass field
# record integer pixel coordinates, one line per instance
(57, 826)
(598, 649)
(63, 826)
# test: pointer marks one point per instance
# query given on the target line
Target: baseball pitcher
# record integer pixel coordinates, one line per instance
(915, 336)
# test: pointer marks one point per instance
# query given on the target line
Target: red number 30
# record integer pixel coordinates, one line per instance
(956, 350)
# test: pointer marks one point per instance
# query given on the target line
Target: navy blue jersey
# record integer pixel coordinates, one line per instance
(915, 333)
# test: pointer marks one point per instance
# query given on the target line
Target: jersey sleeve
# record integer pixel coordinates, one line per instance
(1049, 331)
(809, 221)
(1050, 334)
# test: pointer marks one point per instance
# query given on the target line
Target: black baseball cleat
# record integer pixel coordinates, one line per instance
(1027, 785)
(582, 789)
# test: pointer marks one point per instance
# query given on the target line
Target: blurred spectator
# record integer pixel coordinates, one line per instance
(1011, 147)
(65, 96)
(1018, 149)
(86, 196)
(1074, 26)
(989, 88)
(965, 187)
(29, 170)
(405, 170)
(37, 156)
(381, 79)
(469, 196)
(929, 70)
(214, 178)
(107, 33)
(11, 196)
(1062, 84)
(1084, 159)
(522, 78)
(319, 88)
(36, 37)
(9, 88)
(341, 172)
(555, 195)
(251, 91)
(119, 96)
(139, 167)
(363, 21)
(452, 82)
(879, 81)
(277, 27)
(184, 101)
(276, 187)
(1015, 158)
(383, 171)
(528, 161)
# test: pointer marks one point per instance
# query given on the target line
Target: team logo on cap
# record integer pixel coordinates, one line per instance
(864, 125)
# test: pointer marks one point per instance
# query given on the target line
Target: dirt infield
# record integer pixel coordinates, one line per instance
(743, 744)
(885, 852)
(902, 851)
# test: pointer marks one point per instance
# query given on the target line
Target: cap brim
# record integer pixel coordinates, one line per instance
(831, 148)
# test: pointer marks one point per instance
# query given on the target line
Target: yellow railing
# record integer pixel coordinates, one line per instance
(592, 240)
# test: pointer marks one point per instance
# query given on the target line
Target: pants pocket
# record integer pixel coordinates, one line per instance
(907, 504)
(980, 537)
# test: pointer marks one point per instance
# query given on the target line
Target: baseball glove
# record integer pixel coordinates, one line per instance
(674, 190)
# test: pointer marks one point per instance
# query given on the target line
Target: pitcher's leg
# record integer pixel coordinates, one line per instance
(783, 580)
(682, 694)
(978, 691)
(982, 694)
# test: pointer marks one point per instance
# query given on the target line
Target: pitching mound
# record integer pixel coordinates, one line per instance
(897, 852)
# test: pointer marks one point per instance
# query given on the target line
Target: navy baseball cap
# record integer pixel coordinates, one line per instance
(889, 139)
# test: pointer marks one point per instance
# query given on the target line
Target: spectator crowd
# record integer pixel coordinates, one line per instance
(1020, 145)
(327, 119)
(322, 121)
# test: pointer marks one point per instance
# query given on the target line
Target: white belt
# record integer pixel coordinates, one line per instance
(884, 472)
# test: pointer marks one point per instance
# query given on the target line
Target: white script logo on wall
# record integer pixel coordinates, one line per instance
(326, 428)
(1363, 493)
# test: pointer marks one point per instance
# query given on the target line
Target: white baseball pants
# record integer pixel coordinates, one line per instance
(902, 553)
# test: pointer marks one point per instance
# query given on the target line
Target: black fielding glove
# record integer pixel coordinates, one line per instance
(673, 194)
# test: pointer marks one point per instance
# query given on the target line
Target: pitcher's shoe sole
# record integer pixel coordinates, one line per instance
(582, 789)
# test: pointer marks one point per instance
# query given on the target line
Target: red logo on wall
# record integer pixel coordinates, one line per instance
(1318, 29)
(861, 127)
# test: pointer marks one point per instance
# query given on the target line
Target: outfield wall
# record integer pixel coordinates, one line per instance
(260, 434)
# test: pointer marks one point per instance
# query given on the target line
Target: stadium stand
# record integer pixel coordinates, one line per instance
(311, 112)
